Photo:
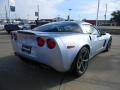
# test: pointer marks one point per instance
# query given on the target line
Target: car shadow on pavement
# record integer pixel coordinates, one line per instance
(16, 75)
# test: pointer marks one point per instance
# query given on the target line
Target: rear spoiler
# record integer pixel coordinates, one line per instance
(25, 32)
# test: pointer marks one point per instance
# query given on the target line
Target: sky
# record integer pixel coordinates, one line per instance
(81, 9)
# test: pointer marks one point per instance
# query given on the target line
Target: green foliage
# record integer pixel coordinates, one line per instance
(116, 17)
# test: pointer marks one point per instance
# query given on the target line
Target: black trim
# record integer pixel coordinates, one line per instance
(104, 43)
(23, 32)
(90, 37)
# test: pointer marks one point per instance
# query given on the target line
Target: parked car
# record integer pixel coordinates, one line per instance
(38, 23)
(1, 26)
(22, 25)
(11, 27)
(64, 46)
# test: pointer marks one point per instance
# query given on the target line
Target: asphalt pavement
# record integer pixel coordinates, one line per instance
(103, 72)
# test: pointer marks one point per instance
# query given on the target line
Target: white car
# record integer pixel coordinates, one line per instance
(64, 46)
(24, 25)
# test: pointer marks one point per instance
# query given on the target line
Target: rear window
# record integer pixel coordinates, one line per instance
(68, 27)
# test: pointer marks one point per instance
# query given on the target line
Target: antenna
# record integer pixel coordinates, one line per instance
(69, 16)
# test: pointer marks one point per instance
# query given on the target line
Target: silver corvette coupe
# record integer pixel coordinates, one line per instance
(64, 46)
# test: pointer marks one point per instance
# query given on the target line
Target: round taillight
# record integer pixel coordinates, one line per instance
(51, 43)
(40, 41)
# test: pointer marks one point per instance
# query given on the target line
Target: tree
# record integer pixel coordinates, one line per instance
(116, 17)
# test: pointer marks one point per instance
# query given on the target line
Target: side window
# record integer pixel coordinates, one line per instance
(95, 31)
(70, 28)
(86, 28)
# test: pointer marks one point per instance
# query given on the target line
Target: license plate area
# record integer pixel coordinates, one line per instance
(26, 48)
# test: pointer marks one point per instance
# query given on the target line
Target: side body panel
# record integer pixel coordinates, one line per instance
(77, 42)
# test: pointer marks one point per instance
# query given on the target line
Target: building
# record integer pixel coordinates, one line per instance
(102, 22)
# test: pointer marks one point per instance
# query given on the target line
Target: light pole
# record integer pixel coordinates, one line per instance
(97, 12)
(38, 11)
(6, 14)
(105, 12)
(8, 10)
(69, 14)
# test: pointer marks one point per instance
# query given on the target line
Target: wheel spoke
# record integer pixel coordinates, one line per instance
(85, 54)
(79, 62)
(83, 66)
(86, 60)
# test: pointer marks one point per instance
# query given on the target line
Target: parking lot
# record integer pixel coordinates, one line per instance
(103, 72)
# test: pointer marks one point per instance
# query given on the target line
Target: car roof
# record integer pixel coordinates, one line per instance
(68, 22)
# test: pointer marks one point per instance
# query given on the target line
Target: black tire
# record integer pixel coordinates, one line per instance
(80, 64)
(108, 45)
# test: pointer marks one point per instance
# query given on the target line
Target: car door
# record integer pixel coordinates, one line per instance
(93, 34)
(98, 39)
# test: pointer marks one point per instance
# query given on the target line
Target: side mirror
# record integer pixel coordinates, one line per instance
(102, 32)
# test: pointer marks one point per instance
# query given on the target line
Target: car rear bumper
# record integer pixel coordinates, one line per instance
(58, 67)
(54, 60)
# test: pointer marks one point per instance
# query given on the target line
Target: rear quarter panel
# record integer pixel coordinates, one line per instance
(69, 54)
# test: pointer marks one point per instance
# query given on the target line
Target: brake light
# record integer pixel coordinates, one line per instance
(40, 41)
(51, 43)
